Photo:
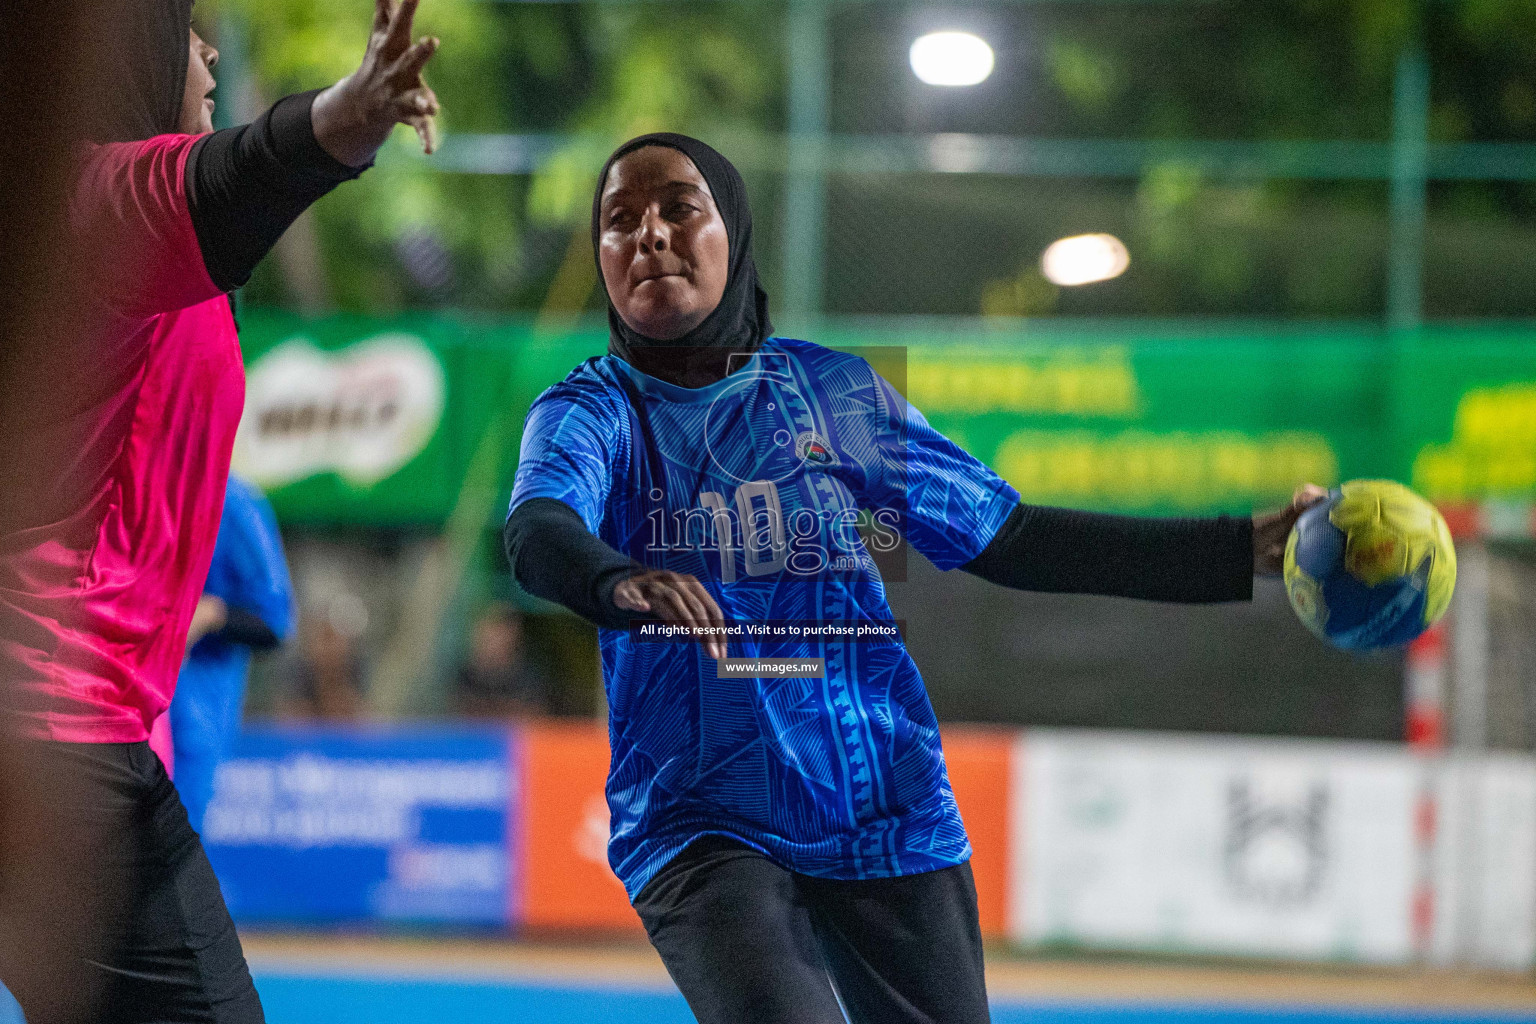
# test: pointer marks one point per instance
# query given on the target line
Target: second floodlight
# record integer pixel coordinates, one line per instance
(951, 58)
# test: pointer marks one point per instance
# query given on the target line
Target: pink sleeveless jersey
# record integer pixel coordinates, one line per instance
(95, 601)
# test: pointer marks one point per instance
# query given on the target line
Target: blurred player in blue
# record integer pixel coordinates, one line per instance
(782, 821)
(247, 606)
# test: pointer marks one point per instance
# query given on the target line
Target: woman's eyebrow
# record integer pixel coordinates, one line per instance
(619, 194)
(686, 186)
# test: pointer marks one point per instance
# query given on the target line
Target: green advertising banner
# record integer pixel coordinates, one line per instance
(345, 420)
(1465, 414)
(351, 420)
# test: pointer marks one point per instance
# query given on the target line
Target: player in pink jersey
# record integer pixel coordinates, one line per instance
(114, 489)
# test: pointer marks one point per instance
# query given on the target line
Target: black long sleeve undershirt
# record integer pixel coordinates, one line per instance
(245, 186)
(554, 556)
(1055, 550)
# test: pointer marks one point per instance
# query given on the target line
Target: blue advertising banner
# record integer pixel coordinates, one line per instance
(367, 825)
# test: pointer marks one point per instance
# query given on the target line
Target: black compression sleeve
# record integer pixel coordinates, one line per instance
(554, 556)
(246, 627)
(1069, 552)
(246, 185)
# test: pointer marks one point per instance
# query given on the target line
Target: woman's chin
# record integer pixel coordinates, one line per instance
(663, 324)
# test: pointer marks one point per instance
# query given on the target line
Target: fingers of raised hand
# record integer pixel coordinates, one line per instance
(407, 67)
(415, 103)
(417, 108)
(426, 131)
(398, 35)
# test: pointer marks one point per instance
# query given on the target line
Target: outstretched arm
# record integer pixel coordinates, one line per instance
(245, 185)
(1181, 560)
(1063, 551)
(565, 471)
(554, 556)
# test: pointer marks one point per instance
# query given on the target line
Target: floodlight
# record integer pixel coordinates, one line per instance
(951, 58)
(1084, 259)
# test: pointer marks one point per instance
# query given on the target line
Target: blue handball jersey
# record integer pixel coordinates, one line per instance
(248, 572)
(758, 485)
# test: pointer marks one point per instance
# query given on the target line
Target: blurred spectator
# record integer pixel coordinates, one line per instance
(325, 681)
(246, 607)
(496, 680)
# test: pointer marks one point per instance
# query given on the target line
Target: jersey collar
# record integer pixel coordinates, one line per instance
(653, 387)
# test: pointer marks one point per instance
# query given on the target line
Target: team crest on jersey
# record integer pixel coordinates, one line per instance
(813, 449)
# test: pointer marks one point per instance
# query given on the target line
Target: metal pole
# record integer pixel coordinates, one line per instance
(808, 56)
(1458, 832)
(1469, 649)
(1409, 181)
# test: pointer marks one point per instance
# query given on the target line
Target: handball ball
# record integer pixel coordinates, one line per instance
(1370, 566)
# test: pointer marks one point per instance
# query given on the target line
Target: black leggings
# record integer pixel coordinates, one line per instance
(109, 909)
(749, 942)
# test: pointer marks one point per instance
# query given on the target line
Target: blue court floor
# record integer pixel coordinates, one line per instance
(303, 998)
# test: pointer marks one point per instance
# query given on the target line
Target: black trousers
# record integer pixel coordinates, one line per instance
(109, 909)
(749, 942)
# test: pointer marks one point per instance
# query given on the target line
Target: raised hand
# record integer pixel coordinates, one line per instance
(674, 598)
(353, 117)
(1271, 530)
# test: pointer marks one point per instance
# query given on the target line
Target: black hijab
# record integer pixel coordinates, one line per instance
(139, 62)
(739, 323)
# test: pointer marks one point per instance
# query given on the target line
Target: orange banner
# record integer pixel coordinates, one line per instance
(567, 884)
(978, 759)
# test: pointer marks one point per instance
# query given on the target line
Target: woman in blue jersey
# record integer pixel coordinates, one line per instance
(246, 609)
(781, 817)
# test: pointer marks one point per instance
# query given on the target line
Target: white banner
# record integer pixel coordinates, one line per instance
(1484, 861)
(1216, 845)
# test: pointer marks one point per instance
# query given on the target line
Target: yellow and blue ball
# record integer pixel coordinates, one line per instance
(1371, 566)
